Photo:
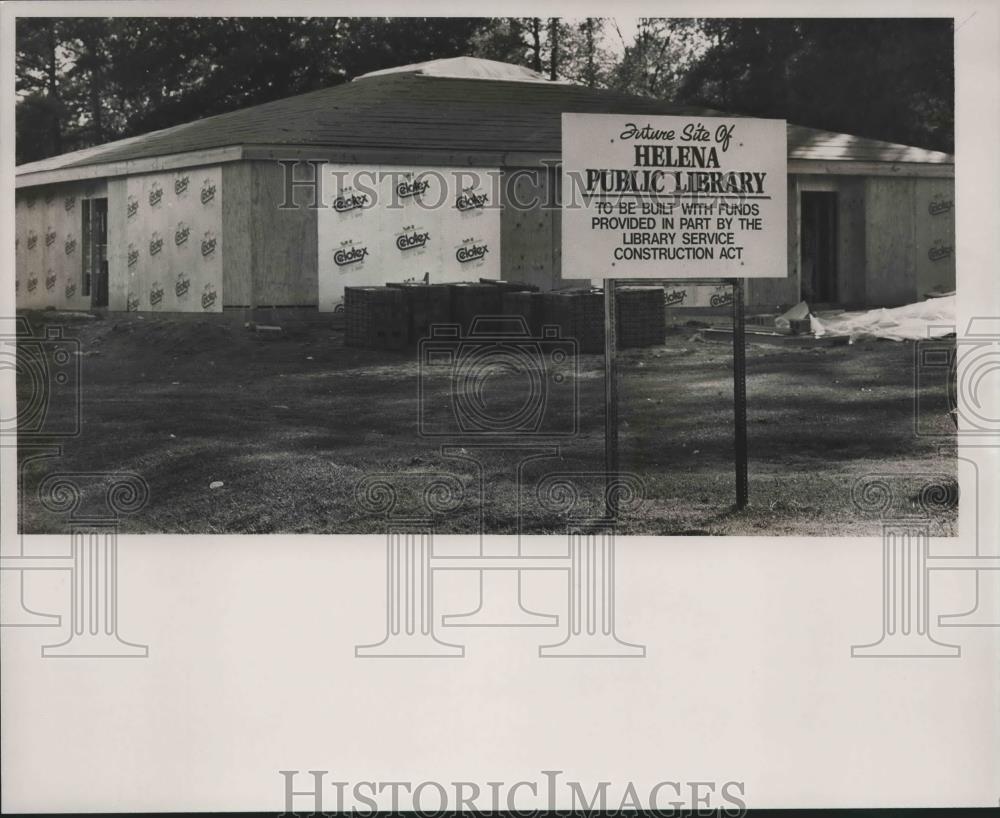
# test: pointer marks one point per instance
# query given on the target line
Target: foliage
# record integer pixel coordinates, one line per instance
(85, 81)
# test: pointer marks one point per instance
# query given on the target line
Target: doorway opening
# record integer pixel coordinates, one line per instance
(819, 247)
(95, 252)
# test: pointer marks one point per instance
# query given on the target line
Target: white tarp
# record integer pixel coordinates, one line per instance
(932, 318)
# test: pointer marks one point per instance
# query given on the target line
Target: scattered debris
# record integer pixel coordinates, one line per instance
(798, 312)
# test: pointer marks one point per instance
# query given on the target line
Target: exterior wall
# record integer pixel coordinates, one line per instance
(530, 246)
(284, 240)
(910, 238)
(237, 262)
(271, 257)
(774, 293)
(167, 252)
(48, 267)
(165, 239)
(851, 236)
(118, 279)
(891, 242)
(935, 226)
(379, 234)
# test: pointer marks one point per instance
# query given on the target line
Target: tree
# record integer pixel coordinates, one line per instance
(85, 81)
(42, 111)
(884, 79)
(654, 62)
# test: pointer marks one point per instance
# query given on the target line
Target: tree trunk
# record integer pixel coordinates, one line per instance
(536, 44)
(52, 85)
(591, 76)
(553, 48)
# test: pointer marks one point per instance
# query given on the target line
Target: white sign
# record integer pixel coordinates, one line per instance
(673, 197)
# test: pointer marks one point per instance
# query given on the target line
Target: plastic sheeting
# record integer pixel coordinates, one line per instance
(933, 318)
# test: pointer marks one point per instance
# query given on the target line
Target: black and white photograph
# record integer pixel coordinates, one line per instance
(331, 337)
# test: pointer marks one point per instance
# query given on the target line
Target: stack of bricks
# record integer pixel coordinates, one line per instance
(579, 316)
(528, 305)
(469, 301)
(426, 305)
(640, 314)
(375, 318)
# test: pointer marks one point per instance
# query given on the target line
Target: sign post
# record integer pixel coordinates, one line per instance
(740, 395)
(674, 197)
(610, 397)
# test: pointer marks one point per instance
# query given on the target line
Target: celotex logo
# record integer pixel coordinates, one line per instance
(32, 282)
(939, 251)
(411, 241)
(939, 204)
(182, 286)
(156, 194)
(349, 255)
(181, 184)
(676, 297)
(155, 243)
(133, 207)
(470, 201)
(181, 233)
(50, 281)
(155, 294)
(70, 291)
(32, 239)
(471, 252)
(50, 237)
(208, 297)
(351, 201)
(133, 255)
(412, 188)
(69, 246)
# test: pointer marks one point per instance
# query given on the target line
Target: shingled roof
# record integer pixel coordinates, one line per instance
(417, 112)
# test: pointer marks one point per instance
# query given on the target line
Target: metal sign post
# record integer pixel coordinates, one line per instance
(610, 397)
(703, 197)
(740, 394)
(741, 455)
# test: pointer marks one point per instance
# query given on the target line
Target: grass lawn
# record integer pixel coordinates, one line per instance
(291, 424)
